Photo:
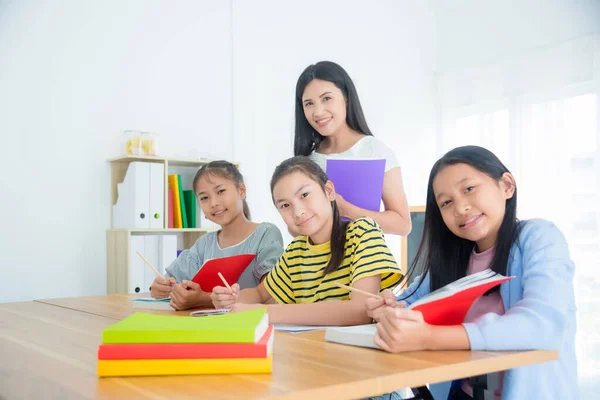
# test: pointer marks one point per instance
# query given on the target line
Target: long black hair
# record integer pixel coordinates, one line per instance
(313, 171)
(306, 138)
(444, 255)
(226, 170)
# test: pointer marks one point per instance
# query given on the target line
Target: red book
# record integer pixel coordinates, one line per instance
(449, 305)
(171, 225)
(230, 267)
(260, 349)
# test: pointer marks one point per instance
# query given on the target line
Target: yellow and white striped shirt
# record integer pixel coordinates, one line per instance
(298, 275)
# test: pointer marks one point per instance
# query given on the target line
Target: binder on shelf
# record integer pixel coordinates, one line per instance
(140, 197)
(133, 201)
(167, 250)
(160, 250)
(157, 196)
(135, 273)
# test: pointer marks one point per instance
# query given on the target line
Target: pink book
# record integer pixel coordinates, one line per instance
(171, 225)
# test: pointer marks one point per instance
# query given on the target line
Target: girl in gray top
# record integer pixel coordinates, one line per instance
(221, 192)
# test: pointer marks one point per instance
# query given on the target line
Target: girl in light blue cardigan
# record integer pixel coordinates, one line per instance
(471, 213)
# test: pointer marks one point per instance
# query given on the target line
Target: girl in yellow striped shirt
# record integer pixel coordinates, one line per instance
(301, 288)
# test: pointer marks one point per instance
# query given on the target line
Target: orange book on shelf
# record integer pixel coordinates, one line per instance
(174, 186)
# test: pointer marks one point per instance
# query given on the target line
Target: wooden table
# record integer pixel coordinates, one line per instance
(49, 350)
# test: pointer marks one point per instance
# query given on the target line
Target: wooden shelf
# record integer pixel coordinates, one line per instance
(119, 240)
(174, 162)
(166, 230)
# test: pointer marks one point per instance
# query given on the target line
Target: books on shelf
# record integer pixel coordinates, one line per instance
(177, 201)
(184, 219)
(446, 306)
(230, 267)
(150, 344)
(358, 180)
(183, 204)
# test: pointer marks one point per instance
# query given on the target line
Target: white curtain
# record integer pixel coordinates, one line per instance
(539, 113)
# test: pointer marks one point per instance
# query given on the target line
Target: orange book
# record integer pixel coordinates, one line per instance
(157, 351)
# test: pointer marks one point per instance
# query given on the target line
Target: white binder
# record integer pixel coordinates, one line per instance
(160, 250)
(140, 197)
(135, 274)
(151, 252)
(157, 195)
(167, 250)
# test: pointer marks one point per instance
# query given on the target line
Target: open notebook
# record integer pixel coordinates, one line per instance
(446, 306)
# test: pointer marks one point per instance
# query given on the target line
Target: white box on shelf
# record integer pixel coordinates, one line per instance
(140, 201)
(159, 250)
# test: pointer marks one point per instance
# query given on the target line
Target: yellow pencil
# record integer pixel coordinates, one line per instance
(150, 265)
(357, 290)
(224, 281)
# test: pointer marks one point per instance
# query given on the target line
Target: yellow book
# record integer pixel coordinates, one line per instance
(174, 186)
(185, 366)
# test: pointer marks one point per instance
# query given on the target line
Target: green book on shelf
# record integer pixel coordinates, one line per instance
(241, 327)
(190, 207)
(183, 214)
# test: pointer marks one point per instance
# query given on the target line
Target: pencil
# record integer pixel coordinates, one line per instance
(150, 265)
(224, 281)
(357, 290)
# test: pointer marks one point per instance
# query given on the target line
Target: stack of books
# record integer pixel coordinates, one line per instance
(150, 344)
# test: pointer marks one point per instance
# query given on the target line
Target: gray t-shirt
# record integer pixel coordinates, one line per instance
(266, 242)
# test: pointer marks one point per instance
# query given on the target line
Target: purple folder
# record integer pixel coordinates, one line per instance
(359, 181)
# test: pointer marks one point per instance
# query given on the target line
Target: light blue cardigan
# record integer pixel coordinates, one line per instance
(540, 314)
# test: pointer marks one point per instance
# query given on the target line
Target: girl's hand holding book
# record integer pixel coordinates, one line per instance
(375, 306)
(223, 297)
(401, 330)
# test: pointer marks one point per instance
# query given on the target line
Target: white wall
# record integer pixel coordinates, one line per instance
(385, 46)
(475, 32)
(214, 78)
(73, 76)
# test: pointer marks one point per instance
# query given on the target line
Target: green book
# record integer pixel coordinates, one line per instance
(183, 214)
(190, 207)
(241, 327)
